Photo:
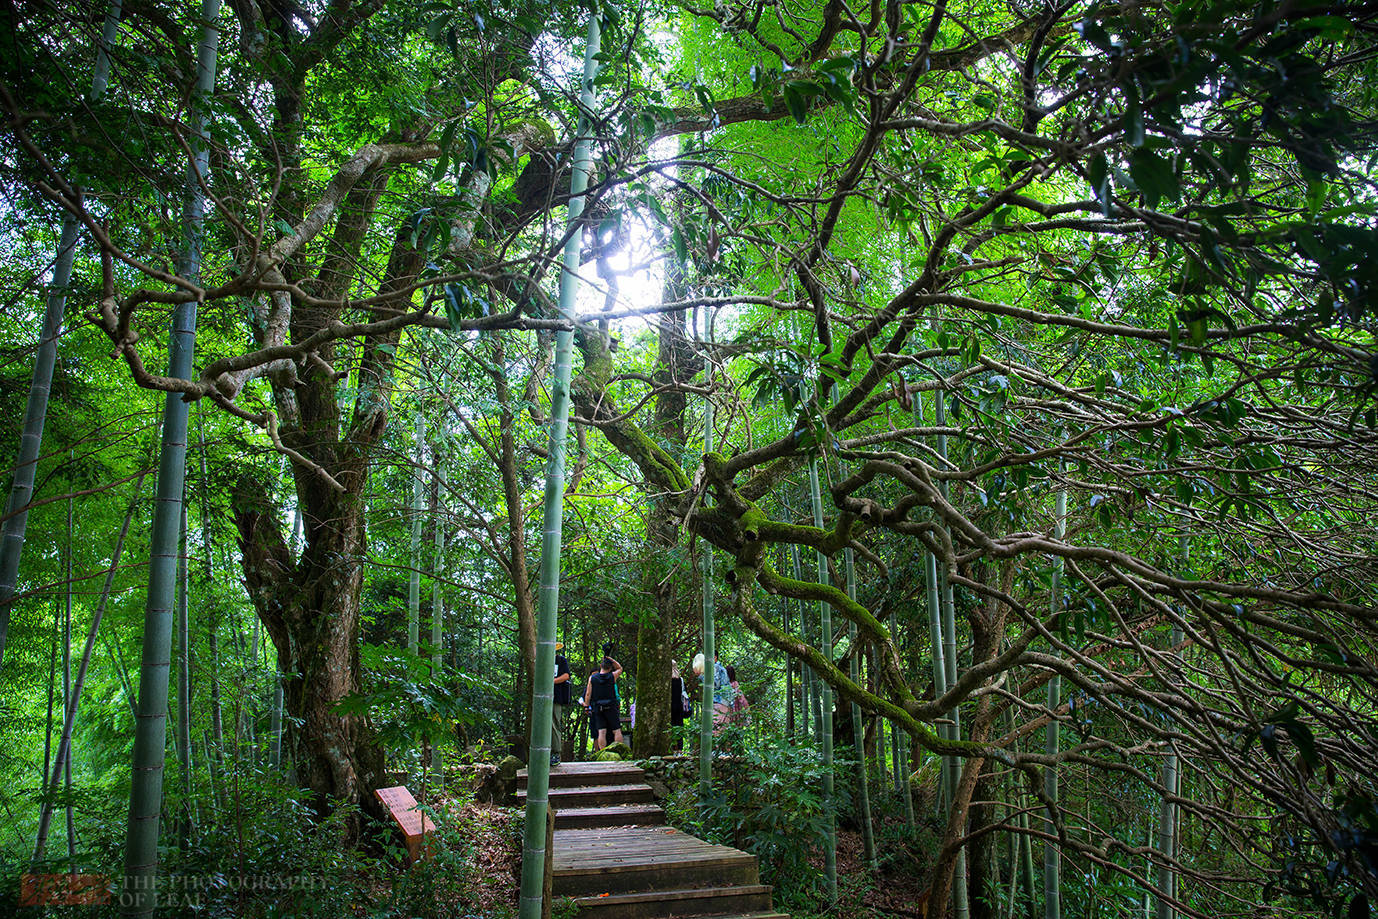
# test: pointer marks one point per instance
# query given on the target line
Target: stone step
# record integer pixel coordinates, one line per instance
(581, 818)
(641, 862)
(676, 903)
(595, 795)
(567, 775)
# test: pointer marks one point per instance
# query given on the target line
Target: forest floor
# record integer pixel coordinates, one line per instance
(494, 860)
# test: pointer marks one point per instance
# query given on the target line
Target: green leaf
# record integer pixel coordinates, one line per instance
(1134, 122)
(1153, 176)
(795, 103)
(1098, 172)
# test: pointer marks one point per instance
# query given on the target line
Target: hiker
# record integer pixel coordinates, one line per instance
(560, 707)
(679, 701)
(722, 690)
(740, 707)
(600, 697)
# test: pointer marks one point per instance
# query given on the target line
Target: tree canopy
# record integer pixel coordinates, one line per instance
(978, 261)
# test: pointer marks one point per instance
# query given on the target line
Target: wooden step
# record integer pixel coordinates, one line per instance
(595, 795)
(621, 815)
(632, 859)
(671, 904)
(567, 775)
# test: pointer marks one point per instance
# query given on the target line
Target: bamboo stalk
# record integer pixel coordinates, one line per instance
(1166, 876)
(184, 679)
(868, 834)
(710, 650)
(146, 791)
(1052, 856)
(542, 692)
(40, 385)
(825, 647)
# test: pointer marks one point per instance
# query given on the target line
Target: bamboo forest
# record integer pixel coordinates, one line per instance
(748, 459)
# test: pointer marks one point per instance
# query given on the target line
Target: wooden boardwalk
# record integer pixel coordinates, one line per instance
(616, 858)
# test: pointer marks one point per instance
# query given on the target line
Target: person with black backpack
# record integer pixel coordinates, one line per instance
(600, 698)
(680, 706)
(560, 704)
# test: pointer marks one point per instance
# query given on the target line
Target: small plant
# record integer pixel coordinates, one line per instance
(409, 703)
(767, 801)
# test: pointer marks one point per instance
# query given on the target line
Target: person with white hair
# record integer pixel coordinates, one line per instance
(722, 690)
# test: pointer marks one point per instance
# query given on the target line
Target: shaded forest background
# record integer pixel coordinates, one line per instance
(1013, 363)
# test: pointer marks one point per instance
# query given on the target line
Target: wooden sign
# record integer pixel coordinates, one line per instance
(415, 825)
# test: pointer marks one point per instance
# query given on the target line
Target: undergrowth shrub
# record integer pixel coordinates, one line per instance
(768, 801)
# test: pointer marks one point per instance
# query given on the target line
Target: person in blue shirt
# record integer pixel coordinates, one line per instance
(723, 694)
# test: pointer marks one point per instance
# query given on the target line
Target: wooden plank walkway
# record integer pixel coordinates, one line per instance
(615, 858)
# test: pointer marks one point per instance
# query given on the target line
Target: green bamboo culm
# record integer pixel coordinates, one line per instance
(710, 650)
(1052, 856)
(960, 901)
(935, 640)
(806, 679)
(414, 575)
(825, 647)
(1166, 880)
(868, 835)
(437, 601)
(901, 741)
(935, 631)
(542, 690)
(183, 645)
(36, 408)
(150, 732)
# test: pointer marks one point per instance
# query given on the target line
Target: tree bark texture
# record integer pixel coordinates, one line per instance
(676, 364)
(311, 612)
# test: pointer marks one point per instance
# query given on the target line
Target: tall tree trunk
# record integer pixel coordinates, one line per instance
(150, 737)
(1166, 879)
(935, 632)
(414, 516)
(982, 872)
(183, 645)
(437, 571)
(311, 612)
(1052, 855)
(36, 407)
(900, 739)
(710, 648)
(533, 879)
(825, 647)
(517, 570)
(64, 755)
(987, 631)
(52, 694)
(949, 625)
(217, 709)
(437, 602)
(790, 734)
(654, 653)
(868, 836)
